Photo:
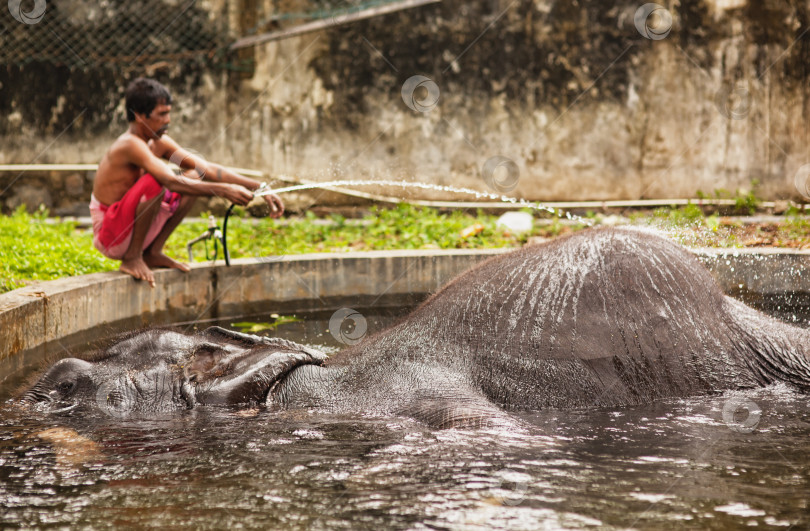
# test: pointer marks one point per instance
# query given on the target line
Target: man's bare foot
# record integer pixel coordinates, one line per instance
(161, 260)
(138, 269)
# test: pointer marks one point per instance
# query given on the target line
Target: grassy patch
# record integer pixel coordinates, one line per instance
(33, 249)
(690, 226)
(403, 227)
(745, 201)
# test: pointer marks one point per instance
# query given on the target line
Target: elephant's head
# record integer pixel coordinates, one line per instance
(162, 370)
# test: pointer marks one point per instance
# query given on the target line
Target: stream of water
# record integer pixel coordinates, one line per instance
(518, 202)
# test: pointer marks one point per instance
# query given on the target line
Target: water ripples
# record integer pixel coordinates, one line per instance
(673, 462)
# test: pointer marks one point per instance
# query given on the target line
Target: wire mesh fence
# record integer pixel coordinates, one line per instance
(86, 34)
(83, 34)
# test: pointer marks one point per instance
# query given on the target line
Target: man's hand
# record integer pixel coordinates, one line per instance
(275, 204)
(236, 193)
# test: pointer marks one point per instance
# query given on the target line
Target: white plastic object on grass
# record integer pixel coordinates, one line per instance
(516, 222)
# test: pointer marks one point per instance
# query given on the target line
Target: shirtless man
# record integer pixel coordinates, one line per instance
(138, 200)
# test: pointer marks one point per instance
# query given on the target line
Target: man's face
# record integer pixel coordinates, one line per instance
(158, 120)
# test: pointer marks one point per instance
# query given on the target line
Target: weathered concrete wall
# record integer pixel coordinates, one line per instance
(584, 105)
(775, 279)
(571, 92)
(63, 193)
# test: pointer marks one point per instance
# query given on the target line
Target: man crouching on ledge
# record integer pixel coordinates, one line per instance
(138, 201)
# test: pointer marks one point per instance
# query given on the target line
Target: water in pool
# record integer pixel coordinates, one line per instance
(728, 461)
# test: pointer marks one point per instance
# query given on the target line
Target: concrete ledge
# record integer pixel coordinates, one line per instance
(760, 276)
(50, 311)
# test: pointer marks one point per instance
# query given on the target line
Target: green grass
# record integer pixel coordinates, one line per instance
(31, 249)
(686, 216)
(403, 227)
(745, 201)
(34, 248)
(796, 223)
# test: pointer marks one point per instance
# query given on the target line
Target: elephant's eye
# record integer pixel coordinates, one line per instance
(65, 387)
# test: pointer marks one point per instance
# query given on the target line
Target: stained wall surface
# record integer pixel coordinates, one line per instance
(582, 100)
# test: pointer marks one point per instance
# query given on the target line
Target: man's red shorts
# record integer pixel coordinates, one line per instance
(112, 225)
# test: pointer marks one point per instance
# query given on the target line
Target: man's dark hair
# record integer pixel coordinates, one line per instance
(143, 95)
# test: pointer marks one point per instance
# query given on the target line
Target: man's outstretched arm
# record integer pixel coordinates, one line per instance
(217, 173)
(140, 155)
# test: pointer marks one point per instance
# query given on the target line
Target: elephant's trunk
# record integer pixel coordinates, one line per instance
(252, 376)
(308, 386)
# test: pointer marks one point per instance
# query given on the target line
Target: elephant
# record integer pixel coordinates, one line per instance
(604, 317)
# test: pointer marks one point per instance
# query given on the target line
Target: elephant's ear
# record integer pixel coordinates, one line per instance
(219, 334)
(459, 411)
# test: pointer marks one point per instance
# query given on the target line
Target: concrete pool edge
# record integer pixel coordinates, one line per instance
(47, 311)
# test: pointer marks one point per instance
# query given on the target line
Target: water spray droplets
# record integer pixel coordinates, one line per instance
(441, 188)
